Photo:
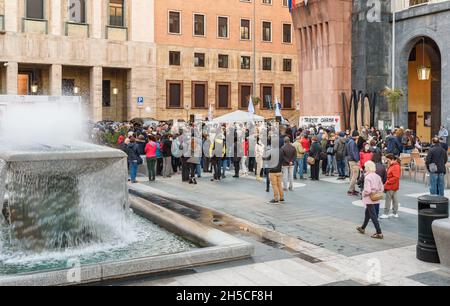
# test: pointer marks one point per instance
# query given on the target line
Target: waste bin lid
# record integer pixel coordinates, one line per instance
(432, 199)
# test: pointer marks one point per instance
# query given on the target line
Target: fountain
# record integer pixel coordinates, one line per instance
(66, 199)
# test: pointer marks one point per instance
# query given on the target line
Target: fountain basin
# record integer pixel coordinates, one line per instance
(214, 246)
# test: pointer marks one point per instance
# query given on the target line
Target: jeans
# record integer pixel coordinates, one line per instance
(224, 165)
(407, 151)
(371, 214)
(216, 165)
(151, 167)
(437, 183)
(298, 167)
(341, 167)
(275, 179)
(198, 170)
(288, 177)
(305, 163)
(330, 164)
(133, 170)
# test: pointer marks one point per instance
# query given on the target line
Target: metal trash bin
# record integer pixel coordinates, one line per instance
(430, 208)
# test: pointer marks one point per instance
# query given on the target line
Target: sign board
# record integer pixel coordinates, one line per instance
(331, 122)
(140, 101)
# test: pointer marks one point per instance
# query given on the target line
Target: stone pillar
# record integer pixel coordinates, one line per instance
(96, 86)
(11, 16)
(56, 80)
(12, 71)
(141, 83)
(96, 19)
(55, 17)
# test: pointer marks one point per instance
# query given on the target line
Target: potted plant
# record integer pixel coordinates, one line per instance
(256, 100)
(393, 97)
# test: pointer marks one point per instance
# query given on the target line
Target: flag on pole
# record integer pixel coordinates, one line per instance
(251, 107)
(291, 5)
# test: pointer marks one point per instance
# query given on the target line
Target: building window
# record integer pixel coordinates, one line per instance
(287, 64)
(245, 29)
(267, 63)
(267, 1)
(67, 87)
(106, 93)
(116, 13)
(174, 94)
(285, 3)
(77, 11)
(245, 92)
(287, 96)
(222, 27)
(199, 25)
(287, 33)
(199, 94)
(199, 59)
(35, 9)
(267, 31)
(174, 22)
(174, 58)
(223, 95)
(245, 62)
(223, 61)
(267, 96)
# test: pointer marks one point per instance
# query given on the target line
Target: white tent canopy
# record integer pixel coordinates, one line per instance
(238, 116)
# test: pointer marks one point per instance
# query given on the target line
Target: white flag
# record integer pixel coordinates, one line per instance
(251, 107)
(277, 108)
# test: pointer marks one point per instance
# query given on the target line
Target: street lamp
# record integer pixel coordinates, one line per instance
(34, 88)
(76, 90)
(297, 108)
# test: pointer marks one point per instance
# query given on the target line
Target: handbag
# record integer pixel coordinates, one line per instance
(376, 196)
(311, 160)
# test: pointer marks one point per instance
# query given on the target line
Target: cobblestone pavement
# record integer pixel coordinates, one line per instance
(323, 218)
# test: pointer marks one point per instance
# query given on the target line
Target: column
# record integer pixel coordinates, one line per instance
(11, 16)
(96, 86)
(55, 17)
(12, 71)
(56, 80)
(97, 20)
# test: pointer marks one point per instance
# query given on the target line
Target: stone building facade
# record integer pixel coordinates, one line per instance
(112, 52)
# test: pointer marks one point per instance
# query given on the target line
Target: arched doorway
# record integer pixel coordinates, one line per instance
(424, 88)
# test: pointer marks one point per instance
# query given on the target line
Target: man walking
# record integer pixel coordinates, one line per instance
(353, 161)
(436, 159)
(288, 154)
(298, 166)
(339, 148)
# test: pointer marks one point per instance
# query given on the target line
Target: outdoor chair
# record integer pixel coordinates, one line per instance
(419, 166)
(405, 164)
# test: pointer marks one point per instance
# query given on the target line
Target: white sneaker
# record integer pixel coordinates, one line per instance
(383, 216)
(395, 215)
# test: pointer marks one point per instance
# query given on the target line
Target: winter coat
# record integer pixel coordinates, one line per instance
(393, 177)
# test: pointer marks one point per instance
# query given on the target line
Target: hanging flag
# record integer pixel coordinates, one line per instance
(277, 108)
(291, 5)
(251, 107)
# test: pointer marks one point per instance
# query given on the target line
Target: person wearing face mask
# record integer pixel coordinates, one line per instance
(372, 194)
(365, 155)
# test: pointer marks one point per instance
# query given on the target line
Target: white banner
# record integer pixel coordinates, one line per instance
(330, 122)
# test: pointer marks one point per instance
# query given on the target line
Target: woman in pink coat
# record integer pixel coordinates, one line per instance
(372, 185)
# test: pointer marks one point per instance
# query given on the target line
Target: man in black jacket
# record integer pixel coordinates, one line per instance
(436, 159)
(289, 154)
(275, 172)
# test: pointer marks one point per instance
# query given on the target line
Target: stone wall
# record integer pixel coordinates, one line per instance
(432, 21)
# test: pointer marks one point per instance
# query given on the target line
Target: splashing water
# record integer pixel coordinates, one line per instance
(62, 197)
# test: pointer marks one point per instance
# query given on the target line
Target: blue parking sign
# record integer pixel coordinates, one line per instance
(140, 101)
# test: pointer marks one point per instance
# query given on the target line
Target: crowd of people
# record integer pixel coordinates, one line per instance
(368, 157)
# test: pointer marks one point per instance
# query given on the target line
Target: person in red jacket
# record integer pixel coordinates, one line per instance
(391, 187)
(365, 155)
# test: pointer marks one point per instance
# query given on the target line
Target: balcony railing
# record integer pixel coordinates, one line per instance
(39, 26)
(116, 33)
(80, 30)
